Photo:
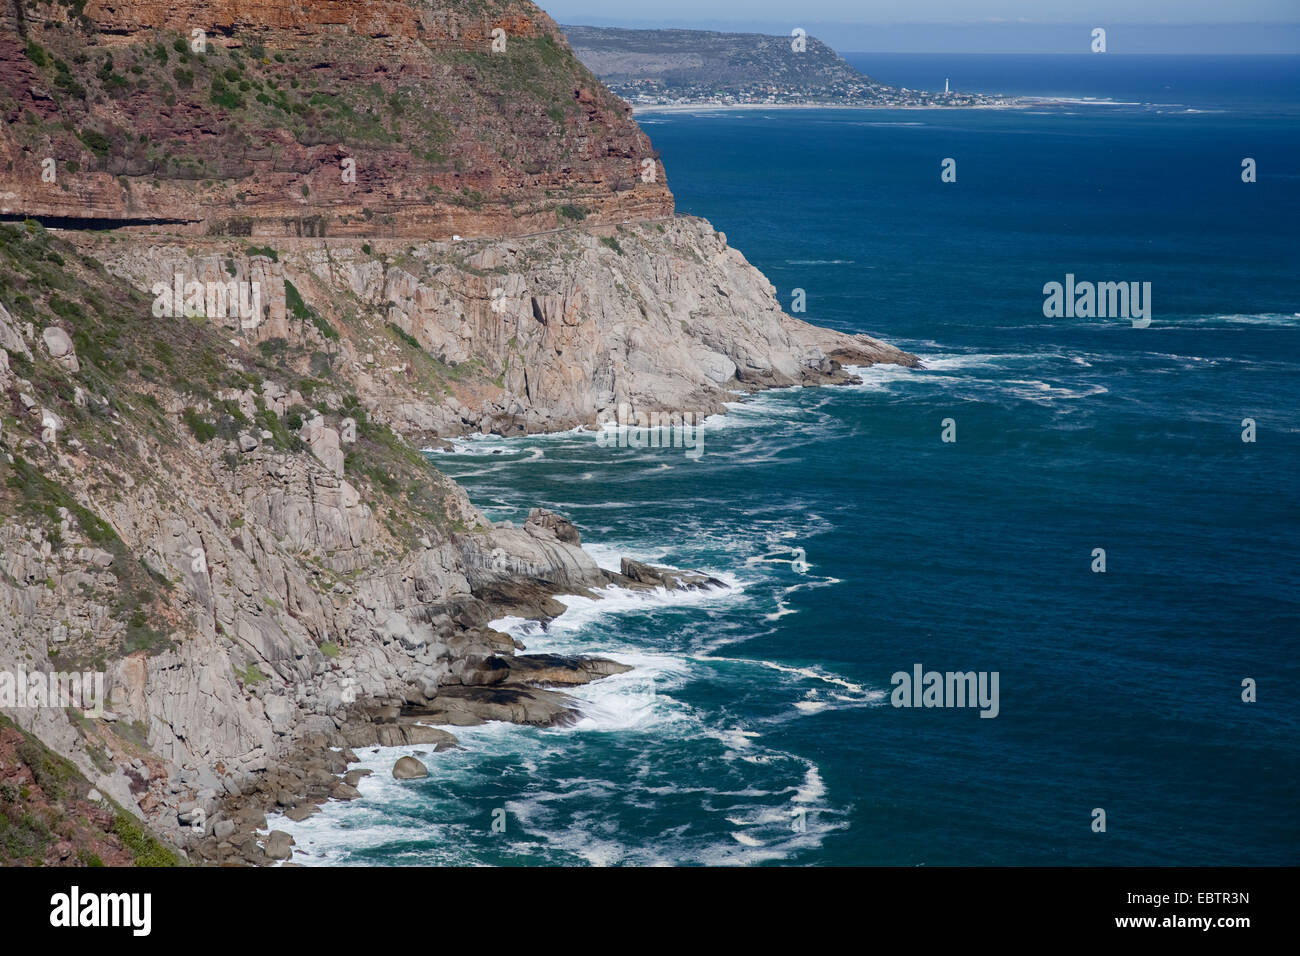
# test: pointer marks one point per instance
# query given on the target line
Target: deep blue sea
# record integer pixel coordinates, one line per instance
(757, 726)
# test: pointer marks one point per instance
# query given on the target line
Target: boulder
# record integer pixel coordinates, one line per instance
(470, 706)
(342, 791)
(543, 519)
(59, 344)
(408, 768)
(354, 777)
(415, 734)
(556, 669)
(278, 845)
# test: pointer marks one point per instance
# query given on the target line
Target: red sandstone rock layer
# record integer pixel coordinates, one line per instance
(291, 118)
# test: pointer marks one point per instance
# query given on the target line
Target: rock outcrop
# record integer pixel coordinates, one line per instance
(523, 335)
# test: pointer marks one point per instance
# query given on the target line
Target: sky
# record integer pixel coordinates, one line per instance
(974, 26)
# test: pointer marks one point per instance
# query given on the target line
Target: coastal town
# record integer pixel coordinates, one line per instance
(649, 92)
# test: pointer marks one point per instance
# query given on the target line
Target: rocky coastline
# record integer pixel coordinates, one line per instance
(496, 683)
(220, 358)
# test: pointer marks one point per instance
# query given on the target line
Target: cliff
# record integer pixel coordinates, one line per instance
(179, 515)
(218, 363)
(517, 336)
(346, 118)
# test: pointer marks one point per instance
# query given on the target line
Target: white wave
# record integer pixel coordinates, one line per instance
(829, 691)
(609, 556)
(811, 706)
(581, 610)
(782, 609)
(813, 673)
(877, 378)
(636, 699)
(1279, 319)
(1036, 391)
(813, 788)
(950, 361)
(733, 739)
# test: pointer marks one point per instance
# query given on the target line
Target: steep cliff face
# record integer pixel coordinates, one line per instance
(243, 561)
(284, 118)
(519, 336)
(215, 384)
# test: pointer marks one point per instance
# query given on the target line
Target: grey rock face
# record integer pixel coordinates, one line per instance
(11, 339)
(571, 328)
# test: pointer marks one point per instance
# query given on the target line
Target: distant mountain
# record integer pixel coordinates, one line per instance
(699, 64)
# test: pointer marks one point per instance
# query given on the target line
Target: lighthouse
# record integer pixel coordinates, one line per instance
(945, 85)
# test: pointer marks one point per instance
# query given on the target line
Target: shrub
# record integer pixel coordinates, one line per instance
(95, 141)
(203, 430)
(36, 53)
(146, 850)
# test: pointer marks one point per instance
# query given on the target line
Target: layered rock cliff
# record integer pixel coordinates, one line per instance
(220, 360)
(284, 118)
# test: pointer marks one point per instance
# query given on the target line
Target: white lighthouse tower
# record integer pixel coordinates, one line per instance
(945, 85)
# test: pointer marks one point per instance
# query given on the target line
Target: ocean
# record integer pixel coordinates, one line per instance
(757, 726)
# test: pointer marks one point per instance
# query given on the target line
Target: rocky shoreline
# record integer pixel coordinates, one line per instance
(220, 354)
(505, 686)
(254, 583)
